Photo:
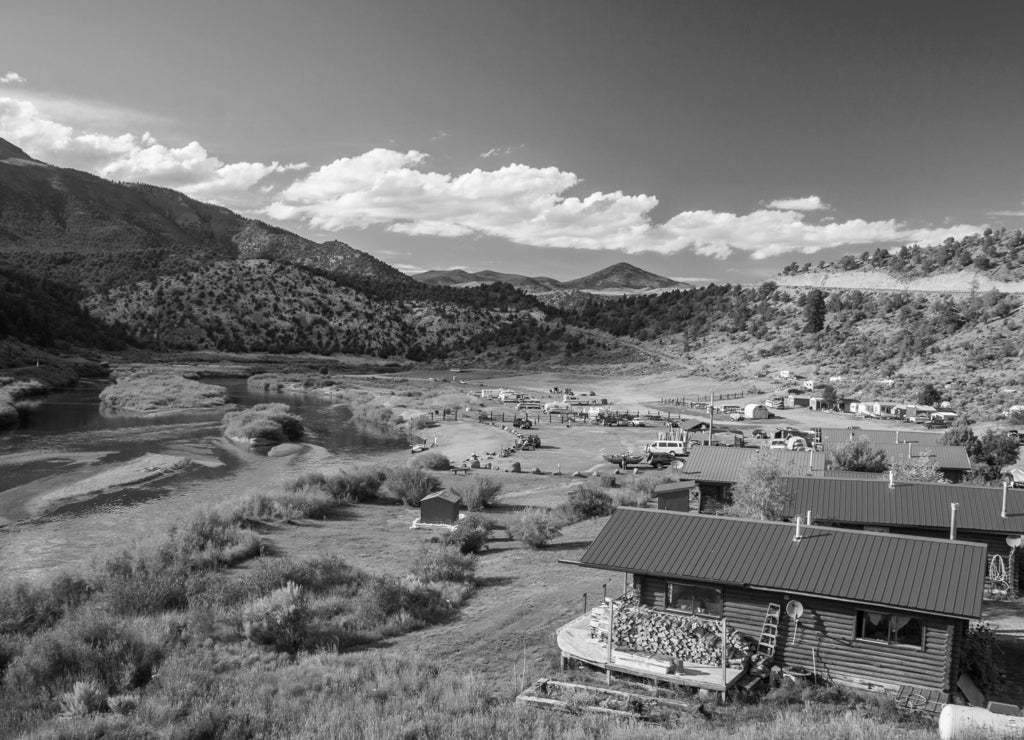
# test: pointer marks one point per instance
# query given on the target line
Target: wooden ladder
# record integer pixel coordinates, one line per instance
(770, 631)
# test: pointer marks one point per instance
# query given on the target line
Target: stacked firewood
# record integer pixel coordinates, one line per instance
(689, 639)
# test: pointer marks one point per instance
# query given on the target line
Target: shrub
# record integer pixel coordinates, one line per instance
(263, 423)
(587, 501)
(361, 484)
(280, 619)
(26, 607)
(479, 492)
(410, 485)
(534, 527)
(84, 698)
(89, 645)
(431, 460)
(296, 503)
(444, 564)
(381, 598)
(470, 534)
(313, 574)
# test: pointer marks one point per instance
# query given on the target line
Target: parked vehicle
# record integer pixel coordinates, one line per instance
(522, 423)
(637, 423)
(532, 442)
(674, 447)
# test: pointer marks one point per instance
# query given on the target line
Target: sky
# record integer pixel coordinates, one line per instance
(709, 140)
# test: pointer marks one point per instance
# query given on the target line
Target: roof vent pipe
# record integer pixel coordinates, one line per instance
(892, 478)
(952, 520)
(810, 462)
(798, 536)
(1003, 512)
(808, 517)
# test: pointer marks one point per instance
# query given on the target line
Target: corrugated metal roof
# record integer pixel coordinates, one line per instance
(912, 433)
(445, 495)
(724, 464)
(872, 502)
(947, 457)
(677, 487)
(912, 573)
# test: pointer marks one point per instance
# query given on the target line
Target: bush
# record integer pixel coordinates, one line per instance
(470, 534)
(534, 527)
(264, 423)
(410, 485)
(26, 607)
(479, 492)
(361, 484)
(280, 619)
(313, 574)
(431, 460)
(587, 501)
(89, 645)
(84, 698)
(292, 503)
(444, 564)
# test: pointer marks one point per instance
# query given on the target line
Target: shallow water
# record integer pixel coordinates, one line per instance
(65, 438)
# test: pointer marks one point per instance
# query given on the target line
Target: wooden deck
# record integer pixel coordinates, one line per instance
(575, 644)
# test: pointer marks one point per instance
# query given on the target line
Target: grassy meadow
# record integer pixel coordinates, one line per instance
(160, 391)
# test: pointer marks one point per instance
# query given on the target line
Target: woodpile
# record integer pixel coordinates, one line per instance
(659, 635)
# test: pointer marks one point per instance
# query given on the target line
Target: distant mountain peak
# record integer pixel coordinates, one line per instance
(622, 276)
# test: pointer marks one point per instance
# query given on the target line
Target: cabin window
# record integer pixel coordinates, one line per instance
(694, 599)
(895, 629)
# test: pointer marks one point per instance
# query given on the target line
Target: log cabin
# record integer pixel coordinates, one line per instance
(879, 611)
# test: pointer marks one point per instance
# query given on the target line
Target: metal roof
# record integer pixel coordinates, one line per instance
(724, 464)
(917, 574)
(663, 489)
(444, 495)
(947, 457)
(912, 433)
(872, 502)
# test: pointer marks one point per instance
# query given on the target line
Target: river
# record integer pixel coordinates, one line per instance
(65, 438)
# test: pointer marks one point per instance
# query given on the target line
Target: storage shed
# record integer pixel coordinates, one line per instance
(756, 411)
(876, 610)
(676, 496)
(440, 508)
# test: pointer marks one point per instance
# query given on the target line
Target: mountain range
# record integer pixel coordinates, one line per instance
(621, 277)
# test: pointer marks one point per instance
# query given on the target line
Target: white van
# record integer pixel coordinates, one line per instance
(554, 407)
(672, 446)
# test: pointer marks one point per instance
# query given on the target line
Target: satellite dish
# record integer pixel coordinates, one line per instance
(1014, 541)
(795, 610)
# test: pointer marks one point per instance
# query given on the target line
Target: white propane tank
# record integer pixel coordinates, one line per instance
(957, 722)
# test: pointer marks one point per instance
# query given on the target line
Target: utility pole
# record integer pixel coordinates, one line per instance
(711, 424)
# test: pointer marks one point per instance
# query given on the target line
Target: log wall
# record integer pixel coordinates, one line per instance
(828, 627)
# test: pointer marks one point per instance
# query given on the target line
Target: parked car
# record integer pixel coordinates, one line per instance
(637, 423)
(937, 424)
(522, 423)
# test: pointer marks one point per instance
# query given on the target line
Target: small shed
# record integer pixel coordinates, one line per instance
(675, 496)
(755, 411)
(440, 508)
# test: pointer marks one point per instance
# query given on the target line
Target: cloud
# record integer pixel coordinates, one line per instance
(808, 203)
(504, 151)
(529, 205)
(189, 168)
(1005, 213)
(12, 78)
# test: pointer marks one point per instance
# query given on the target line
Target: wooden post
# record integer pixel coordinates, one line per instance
(625, 583)
(584, 603)
(611, 637)
(725, 655)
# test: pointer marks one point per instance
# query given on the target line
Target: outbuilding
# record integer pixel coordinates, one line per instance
(865, 609)
(440, 508)
(756, 411)
(675, 496)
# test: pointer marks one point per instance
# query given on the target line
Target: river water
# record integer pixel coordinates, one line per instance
(64, 438)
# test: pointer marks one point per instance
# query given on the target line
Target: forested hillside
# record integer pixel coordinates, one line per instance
(263, 306)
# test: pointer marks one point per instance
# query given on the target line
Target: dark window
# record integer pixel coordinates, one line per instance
(896, 629)
(694, 599)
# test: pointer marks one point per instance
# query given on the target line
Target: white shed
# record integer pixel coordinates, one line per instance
(755, 411)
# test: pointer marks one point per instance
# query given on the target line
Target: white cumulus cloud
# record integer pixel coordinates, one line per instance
(189, 168)
(530, 205)
(12, 78)
(808, 203)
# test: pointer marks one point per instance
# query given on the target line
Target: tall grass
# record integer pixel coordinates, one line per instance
(159, 391)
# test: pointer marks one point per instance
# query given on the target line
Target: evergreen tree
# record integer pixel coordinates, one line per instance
(814, 312)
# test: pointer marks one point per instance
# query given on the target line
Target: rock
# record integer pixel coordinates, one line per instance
(488, 466)
(516, 468)
(596, 474)
(284, 450)
(537, 471)
(475, 464)
(578, 474)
